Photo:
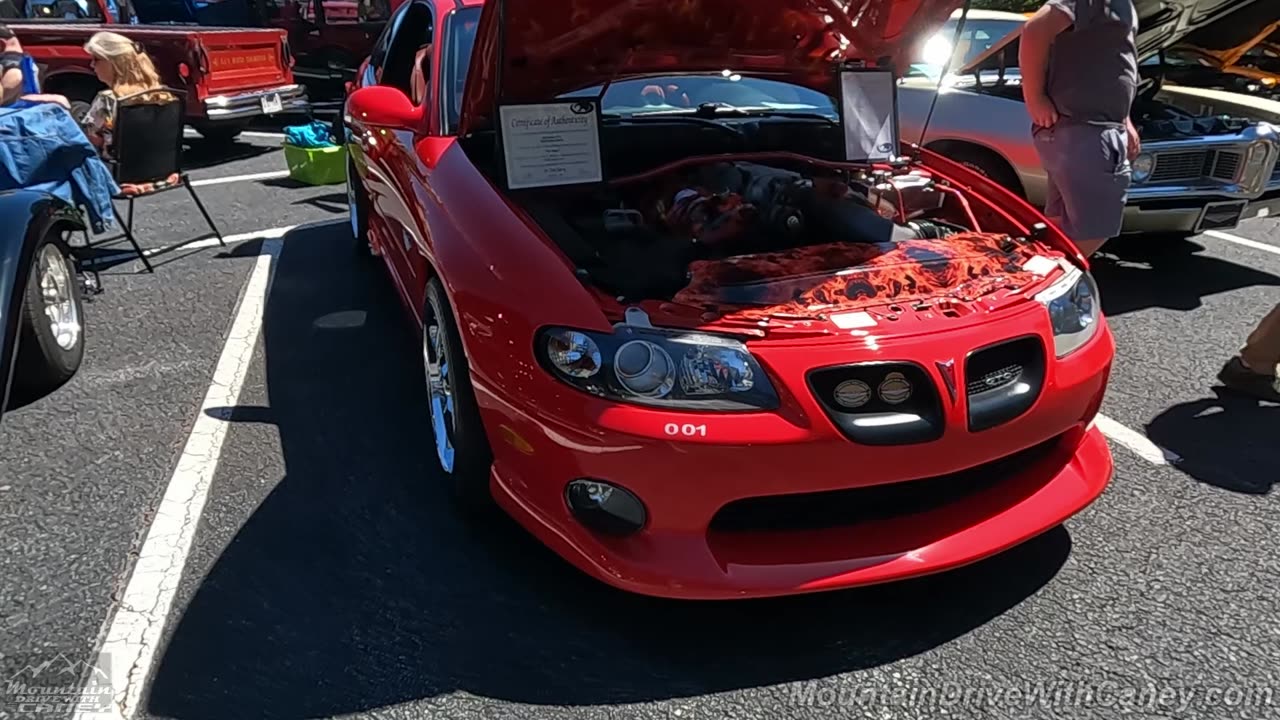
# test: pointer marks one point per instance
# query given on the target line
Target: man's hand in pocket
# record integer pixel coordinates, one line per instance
(1135, 142)
(1043, 113)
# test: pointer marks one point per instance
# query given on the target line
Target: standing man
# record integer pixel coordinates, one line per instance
(1253, 371)
(1079, 76)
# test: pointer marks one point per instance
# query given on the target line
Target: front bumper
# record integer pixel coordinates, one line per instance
(1036, 471)
(293, 99)
(1155, 213)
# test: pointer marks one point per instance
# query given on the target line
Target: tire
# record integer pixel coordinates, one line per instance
(79, 108)
(221, 133)
(48, 358)
(358, 206)
(467, 468)
(985, 163)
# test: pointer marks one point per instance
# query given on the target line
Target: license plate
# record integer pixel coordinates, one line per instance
(1221, 215)
(271, 104)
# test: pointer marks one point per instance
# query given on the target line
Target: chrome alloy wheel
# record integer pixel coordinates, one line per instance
(58, 298)
(440, 387)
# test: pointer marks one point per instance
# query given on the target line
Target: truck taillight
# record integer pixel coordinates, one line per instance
(184, 70)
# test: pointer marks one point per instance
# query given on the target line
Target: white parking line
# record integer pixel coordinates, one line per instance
(210, 242)
(138, 626)
(1135, 441)
(273, 175)
(1274, 250)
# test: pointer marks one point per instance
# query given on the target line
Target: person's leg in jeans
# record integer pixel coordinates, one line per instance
(1089, 173)
(1253, 371)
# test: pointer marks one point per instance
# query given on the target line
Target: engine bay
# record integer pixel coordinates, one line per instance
(1157, 120)
(768, 234)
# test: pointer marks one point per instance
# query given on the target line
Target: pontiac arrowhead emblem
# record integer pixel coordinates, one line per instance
(948, 371)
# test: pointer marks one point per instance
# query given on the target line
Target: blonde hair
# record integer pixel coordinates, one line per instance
(131, 66)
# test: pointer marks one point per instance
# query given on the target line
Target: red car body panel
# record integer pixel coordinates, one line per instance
(525, 53)
(435, 214)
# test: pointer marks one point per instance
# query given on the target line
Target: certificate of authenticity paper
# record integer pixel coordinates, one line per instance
(551, 144)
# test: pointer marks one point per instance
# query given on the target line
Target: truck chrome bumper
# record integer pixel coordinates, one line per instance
(292, 99)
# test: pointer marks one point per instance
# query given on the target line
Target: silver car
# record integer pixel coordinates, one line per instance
(1195, 173)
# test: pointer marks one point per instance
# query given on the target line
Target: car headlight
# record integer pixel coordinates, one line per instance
(1257, 162)
(1142, 167)
(663, 368)
(1074, 310)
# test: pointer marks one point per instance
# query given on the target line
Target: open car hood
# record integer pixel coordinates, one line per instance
(525, 53)
(1161, 25)
(1229, 39)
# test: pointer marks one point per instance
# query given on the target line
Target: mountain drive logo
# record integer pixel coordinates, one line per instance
(58, 686)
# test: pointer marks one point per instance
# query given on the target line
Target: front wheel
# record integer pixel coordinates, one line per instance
(462, 449)
(51, 346)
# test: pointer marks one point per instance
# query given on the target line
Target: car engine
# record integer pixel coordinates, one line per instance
(643, 241)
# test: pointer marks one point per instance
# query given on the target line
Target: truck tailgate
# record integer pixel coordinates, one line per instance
(243, 60)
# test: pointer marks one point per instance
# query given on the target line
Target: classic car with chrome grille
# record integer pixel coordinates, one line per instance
(1195, 172)
(699, 327)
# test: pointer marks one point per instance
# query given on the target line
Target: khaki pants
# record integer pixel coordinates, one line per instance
(1262, 350)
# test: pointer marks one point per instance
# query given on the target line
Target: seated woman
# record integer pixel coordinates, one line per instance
(17, 75)
(130, 76)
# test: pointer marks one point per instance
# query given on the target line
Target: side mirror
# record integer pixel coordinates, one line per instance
(382, 106)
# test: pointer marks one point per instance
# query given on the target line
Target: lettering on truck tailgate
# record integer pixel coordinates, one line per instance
(240, 65)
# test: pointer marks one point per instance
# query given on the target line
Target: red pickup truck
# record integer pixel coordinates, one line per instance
(230, 75)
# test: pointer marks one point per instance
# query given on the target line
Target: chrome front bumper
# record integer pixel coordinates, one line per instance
(1193, 213)
(293, 99)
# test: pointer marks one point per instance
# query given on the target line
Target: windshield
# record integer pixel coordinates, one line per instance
(978, 37)
(676, 93)
(652, 95)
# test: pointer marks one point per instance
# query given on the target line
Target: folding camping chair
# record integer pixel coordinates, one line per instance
(146, 159)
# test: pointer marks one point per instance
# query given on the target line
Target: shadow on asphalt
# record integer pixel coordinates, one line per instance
(1227, 441)
(200, 153)
(1136, 275)
(354, 586)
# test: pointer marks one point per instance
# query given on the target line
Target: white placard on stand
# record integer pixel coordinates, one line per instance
(869, 114)
(551, 144)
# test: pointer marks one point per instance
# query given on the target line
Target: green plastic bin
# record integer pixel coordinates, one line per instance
(317, 166)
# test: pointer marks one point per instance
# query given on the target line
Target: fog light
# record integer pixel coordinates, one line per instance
(605, 507)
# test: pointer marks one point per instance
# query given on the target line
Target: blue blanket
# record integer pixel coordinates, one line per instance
(43, 148)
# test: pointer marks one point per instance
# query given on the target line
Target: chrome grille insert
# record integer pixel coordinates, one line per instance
(1225, 165)
(1188, 165)
(1179, 165)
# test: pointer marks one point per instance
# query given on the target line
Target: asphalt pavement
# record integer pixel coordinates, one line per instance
(328, 577)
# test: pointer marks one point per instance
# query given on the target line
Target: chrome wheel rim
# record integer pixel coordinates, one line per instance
(58, 296)
(440, 388)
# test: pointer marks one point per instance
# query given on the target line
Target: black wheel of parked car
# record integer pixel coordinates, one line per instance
(51, 344)
(358, 207)
(462, 448)
(79, 108)
(221, 132)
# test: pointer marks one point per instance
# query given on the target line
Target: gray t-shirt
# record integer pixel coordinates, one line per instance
(1093, 65)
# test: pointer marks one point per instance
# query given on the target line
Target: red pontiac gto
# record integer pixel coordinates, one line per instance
(693, 314)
